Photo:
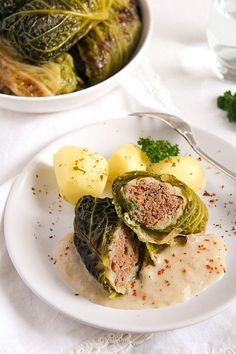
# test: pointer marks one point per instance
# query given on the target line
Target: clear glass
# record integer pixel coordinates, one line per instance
(221, 33)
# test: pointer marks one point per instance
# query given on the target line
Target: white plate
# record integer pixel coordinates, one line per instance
(33, 215)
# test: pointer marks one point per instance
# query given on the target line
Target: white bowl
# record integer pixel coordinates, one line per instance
(79, 98)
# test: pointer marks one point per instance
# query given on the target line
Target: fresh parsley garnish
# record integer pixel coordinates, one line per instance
(227, 102)
(132, 205)
(157, 150)
(76, 168)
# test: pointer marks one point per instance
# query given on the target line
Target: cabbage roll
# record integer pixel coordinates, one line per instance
(110, 45)
(108, 248)
(41, 30)
(158, 208)
(22, 79)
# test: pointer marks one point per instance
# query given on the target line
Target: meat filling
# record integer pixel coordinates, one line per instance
(124, 256)
(151, 201)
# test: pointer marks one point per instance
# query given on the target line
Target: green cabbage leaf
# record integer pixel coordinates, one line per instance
(21, 79)
(41, 30)
(110, 45)
(7, 7)
(96, 230)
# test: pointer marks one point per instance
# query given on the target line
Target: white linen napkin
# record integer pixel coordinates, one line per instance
(28, 325)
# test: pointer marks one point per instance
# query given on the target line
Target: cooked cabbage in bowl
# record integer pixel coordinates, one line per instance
(49, 48)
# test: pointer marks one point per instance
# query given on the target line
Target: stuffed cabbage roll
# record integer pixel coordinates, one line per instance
(110, 45)
(41, 30)
(108, 248)
(21, 79)
(158, 208)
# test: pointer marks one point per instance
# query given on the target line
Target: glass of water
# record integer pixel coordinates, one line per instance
(221, 33)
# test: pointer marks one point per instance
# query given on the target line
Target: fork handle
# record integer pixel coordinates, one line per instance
(214, 163)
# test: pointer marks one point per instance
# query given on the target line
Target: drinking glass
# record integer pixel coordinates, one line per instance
(221, 33)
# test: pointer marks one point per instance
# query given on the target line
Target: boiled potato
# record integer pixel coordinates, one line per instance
(126, 158)
(185, 168)
(79, 172)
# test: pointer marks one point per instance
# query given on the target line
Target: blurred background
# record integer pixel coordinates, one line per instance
(180, 55)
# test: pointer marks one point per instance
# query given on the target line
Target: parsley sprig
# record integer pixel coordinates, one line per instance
(227, 102)
(157, 150)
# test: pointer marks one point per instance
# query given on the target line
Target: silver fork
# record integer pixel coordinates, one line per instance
(184, 129)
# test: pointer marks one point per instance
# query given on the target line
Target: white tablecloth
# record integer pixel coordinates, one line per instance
(27, 324)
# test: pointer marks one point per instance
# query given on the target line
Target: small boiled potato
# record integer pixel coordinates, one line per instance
(79, 172)
(185, 168)
(126, 158)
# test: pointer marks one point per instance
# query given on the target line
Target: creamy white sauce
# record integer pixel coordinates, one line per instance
(179, 273)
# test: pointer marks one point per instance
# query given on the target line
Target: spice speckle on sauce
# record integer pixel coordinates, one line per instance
(172, 280)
